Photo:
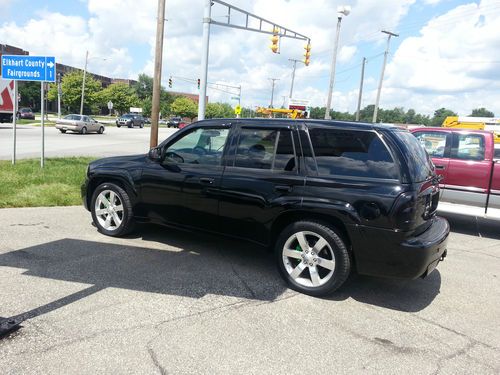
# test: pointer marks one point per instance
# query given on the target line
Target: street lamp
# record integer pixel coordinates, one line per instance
(84, 76)
(342, 11)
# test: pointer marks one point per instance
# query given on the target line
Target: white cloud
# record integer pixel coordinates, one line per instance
(452, 63)
(347, 53)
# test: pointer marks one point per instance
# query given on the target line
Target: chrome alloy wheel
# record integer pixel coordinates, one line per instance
(109, 210)
(308, 259)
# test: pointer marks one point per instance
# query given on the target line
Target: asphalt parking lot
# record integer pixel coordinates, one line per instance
(115, 141)
(165, 301)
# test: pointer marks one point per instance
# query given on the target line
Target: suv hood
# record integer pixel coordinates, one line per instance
(117, 161)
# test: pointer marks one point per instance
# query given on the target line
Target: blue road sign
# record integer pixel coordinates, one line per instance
(29, 68)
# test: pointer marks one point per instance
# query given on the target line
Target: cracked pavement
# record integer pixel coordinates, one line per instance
(164, 301)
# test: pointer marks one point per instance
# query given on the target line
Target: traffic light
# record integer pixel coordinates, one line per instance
(275, 40)
(198, 83)
(170, 82)
(307, 54)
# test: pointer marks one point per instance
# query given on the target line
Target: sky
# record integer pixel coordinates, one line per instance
(446, 55)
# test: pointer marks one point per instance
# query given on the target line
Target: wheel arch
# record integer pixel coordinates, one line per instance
(118, 180)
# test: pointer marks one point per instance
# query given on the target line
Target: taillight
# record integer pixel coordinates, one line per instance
(404, 210)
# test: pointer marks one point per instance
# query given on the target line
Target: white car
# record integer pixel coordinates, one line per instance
(79, 124)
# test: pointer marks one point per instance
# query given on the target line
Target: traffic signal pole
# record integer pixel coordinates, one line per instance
(207, 12)
(249, 25)
(155, 109)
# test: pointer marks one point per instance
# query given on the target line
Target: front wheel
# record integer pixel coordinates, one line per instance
(312, 258)
(83, 131)
(62, 131)
(112, 210)
(101, 130)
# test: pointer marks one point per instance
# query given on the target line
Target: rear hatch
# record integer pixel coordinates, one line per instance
(414, 210)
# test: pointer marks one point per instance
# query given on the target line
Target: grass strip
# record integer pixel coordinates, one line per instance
(25, 184)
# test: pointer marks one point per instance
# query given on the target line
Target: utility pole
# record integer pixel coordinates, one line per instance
(272, 90)
(284, 99)
(155, 108)
(83, 83)
(341, 11)
(389, 35)
(361, 87)
(293, 75)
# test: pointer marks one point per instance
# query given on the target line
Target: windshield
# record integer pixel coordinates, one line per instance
(127, 116)
(419, 163)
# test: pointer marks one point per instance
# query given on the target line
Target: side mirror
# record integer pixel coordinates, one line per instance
(155, 154)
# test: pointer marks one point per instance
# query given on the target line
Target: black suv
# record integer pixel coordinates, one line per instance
(130, 120)
(329, 197)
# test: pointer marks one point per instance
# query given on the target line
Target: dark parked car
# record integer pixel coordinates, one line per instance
(130, 120)
(174, 122)
(329, 197)
(26, 113)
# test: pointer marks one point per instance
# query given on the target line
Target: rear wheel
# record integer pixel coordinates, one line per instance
(62, 131)
(141, 125)
(101, 130)
(312, 258)
(83, 131)
(112, 210)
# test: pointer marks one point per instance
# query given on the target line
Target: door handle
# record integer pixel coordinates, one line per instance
(440, 166)
(207, 180)
(283, 188)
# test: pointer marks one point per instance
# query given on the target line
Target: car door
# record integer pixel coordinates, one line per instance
(468, 175)
(438, 145)
(261, 179)
(182, 187)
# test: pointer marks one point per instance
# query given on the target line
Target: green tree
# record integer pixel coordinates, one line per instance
(71, 85)
(439, 116)
(219, 110)
(184, 107)
(482, 112)
(144, 87)
(366, 113)
(30, 94)
(122, 96)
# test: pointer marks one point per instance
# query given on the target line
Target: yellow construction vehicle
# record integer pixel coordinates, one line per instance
(291, 113)
(476, 123)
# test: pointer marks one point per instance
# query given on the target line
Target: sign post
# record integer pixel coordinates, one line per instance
(14, 122)
(29, 68)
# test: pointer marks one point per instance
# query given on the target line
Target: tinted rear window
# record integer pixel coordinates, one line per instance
(352, 153)
(419, 163)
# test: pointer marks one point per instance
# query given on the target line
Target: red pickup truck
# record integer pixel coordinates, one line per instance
(471, 174)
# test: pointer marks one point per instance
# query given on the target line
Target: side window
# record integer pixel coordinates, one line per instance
(86, 119)
(201, 146)
(352, 153)
(256, 148)
(285, 159)
(433, 142)
(468, 147)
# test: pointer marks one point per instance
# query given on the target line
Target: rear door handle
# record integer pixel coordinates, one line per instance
(440, 166)
(284, 188)
(207, 180)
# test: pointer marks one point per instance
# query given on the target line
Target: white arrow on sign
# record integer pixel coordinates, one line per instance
(50, 65)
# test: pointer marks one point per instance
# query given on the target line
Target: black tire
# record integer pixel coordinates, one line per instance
(62, 131)
(118, 126)
(131, 125)
(141, 125)
(127, 224)
(101, 130)
(342, 259)
(84, 130)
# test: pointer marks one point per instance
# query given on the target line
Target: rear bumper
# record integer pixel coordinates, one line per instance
(381, 252)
